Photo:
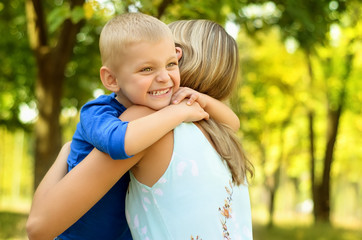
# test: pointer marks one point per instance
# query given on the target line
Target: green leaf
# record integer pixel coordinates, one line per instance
(77, 14)
(57, 16)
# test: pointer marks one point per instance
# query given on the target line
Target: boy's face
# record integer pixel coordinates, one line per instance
(148, 74)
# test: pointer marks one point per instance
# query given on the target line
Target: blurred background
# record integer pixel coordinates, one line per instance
(299, 102)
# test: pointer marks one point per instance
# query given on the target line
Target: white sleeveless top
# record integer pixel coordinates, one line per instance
(194, 199)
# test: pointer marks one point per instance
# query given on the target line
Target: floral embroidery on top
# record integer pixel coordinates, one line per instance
(226, 211)
(197, 238)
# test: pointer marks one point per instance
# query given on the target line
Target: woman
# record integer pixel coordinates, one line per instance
(182, 187)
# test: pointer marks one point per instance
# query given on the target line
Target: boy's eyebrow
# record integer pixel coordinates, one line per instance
(174, 55)
(147, 62)
(144, 62)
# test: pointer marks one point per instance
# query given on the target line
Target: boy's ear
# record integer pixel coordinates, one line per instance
(108, 79)
(179, 53)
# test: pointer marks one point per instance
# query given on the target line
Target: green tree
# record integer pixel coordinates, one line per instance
(55, 31)
(267, 102)
(338, 70)
(60, 69)
(309, 22)
(52, 53)
(16, 59)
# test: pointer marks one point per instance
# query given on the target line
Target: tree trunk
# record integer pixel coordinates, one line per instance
(316, 194)
(162, 7)
(51, 64)
(321, 192)
(271, 207)
(314, 188)
(48, 91)
(323, 213)
(334, 117)
(273, 187)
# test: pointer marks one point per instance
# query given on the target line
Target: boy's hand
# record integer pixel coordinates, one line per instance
(218, 110)
(191, 96)
(193, 112)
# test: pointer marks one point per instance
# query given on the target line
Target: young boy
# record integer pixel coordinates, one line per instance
(140, 67)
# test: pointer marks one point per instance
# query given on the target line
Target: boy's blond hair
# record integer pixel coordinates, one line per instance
(126, 29)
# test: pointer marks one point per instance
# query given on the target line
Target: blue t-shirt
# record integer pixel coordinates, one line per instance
(100, 127)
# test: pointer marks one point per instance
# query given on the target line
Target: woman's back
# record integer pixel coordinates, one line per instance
(194, 197)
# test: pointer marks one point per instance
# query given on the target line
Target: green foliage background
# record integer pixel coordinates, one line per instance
(272, 100)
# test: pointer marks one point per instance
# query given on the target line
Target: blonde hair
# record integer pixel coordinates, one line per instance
(210, 57)
(126, 29)
(209, 64)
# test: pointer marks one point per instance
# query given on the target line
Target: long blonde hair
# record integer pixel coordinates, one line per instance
(209, 64)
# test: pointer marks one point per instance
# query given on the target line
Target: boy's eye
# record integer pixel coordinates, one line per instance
(147, 69)
(172, 64)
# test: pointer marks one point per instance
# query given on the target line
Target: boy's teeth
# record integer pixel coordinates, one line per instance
(156, 93)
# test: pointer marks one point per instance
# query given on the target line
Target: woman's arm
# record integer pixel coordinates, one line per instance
(58, 202)
(55, 173)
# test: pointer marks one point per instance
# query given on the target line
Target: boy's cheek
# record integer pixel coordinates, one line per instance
(177, 79)
(175, 89)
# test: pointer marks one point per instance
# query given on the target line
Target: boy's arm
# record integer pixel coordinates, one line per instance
(217, 110)
(100, 127)
(221, 113)
(145, 131)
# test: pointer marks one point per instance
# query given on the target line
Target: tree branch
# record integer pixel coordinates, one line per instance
(36, 24)
(162, 7)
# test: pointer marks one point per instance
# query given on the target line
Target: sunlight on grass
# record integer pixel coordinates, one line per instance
(317, 232)
(13, 227)
(299, 226)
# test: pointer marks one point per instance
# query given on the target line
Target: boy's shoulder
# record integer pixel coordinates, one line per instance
(104, 101)
(104, 104)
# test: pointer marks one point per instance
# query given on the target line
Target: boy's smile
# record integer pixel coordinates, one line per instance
(160, 92)
(148, 74)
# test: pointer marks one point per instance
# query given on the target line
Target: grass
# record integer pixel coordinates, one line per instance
(314, 232)
(12, 226)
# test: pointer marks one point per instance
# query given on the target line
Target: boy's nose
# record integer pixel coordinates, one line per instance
(163, 76)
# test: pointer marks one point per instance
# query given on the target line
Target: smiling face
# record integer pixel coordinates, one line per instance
(148, 74)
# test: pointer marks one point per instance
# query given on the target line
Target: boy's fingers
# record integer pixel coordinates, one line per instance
(184, 93)
(176, 98)
(192, 99)
(179, 96)
(206, 116)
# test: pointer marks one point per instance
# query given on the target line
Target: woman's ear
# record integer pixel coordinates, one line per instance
(108, 79)
(179, 53)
